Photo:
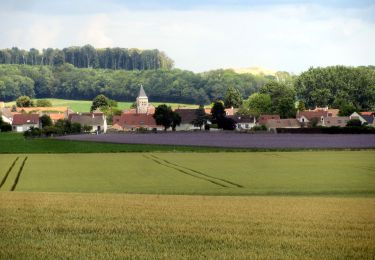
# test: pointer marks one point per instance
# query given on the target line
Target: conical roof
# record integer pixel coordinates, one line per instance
(142, 92)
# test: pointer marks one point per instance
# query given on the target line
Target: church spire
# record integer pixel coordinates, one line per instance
(142, 92)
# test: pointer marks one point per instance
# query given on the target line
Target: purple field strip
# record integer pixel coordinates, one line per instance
(237, 140)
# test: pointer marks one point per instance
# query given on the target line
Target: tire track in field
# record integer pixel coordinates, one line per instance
(7, 173)
(184, 172)
(18, 174)
(199, 172)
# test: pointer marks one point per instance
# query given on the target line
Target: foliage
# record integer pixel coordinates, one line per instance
(301, 106)
(101, 102)
(217, 110)
(64, 126)
(354, 122)
(329, 86)
(32, 132)
(89, 57)
(257, 104)
(87, 128)
(45, 120)
(259, 128)
(24, 101)
(200, 117)
(226, 123)
(233, 98)
(4, 127)
(43, 103)
(161, 85)
(165, 116)
(283, 98)
(176, 120)
(346, 109)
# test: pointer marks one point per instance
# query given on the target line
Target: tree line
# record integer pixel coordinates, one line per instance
(89, 57)
(175, 85)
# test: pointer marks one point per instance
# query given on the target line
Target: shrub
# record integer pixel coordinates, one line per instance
(354, 122)
(33, 132)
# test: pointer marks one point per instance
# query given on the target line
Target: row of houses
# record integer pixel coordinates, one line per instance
(23, 118)
(141, 117)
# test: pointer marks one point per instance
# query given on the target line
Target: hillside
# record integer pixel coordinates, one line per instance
(255, 71)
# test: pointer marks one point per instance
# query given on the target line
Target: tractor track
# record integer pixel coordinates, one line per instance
(18, 174)
(7, 173)
(199, 172)
(156, 160)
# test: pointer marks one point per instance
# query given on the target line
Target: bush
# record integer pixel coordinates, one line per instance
(33, 132)
(354, 122)
(259, 128)
(87, 128)
(5, 127)
(51, 130)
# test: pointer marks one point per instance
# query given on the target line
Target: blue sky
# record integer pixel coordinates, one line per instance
(202, 35)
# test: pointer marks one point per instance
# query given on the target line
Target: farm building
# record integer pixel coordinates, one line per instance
(132, 122)
(264, 118)
(187, 117)
(273, 124)
(244, 122)
(96, 120)
(23, 122)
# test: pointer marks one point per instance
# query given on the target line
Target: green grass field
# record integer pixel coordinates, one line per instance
(84, 105)
(73, 200)
(103, 226)
(263, 173)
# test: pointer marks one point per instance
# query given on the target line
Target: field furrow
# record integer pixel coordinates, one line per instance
(8, 171)
(16, 180)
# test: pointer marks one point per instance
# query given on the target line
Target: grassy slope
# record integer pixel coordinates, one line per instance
(42, 225)
(84, 105)
(295, 173)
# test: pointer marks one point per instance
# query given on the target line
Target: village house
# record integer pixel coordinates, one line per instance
(369, 117)
(97, 121)
(273, 124)
(23, 122)
(187, 115)
(334, 121)
(355, 115)
(244, 122)
(55, 113)
(264, 118)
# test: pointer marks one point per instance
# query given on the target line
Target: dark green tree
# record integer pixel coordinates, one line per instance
(233, 98)
(176, 120)
(283, 98)
(217, 110)
(24, 101)
(101, 102)
(200, 117)
(43, 103)
(45, 120)
(164, 116)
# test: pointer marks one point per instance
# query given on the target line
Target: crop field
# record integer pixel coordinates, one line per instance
(261, 173)
(85, 105)
(97, 226)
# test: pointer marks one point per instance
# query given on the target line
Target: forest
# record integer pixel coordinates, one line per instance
(175, 85)
(89, 57)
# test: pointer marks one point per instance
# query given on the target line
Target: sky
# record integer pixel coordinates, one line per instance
(201, 35)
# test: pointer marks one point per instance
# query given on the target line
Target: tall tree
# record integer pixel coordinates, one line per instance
(200, 117)
(233, 98)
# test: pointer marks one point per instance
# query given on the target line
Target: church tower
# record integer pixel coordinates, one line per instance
(142, 102)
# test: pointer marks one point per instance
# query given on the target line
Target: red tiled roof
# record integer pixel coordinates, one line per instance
(367, 113)
(134, 120)
(312, 114)
(55, 117)
(24, 119)
(187, 115)
(283, 123)
(264, 118)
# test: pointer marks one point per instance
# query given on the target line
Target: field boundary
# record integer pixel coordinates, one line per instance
(18, 174)
(198, 172)
(7, 173)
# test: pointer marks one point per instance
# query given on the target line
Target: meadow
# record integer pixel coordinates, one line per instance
(97, 226)
(349, 173)
(85, 105)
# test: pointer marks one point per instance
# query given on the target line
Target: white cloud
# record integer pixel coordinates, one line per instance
(287, 37)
